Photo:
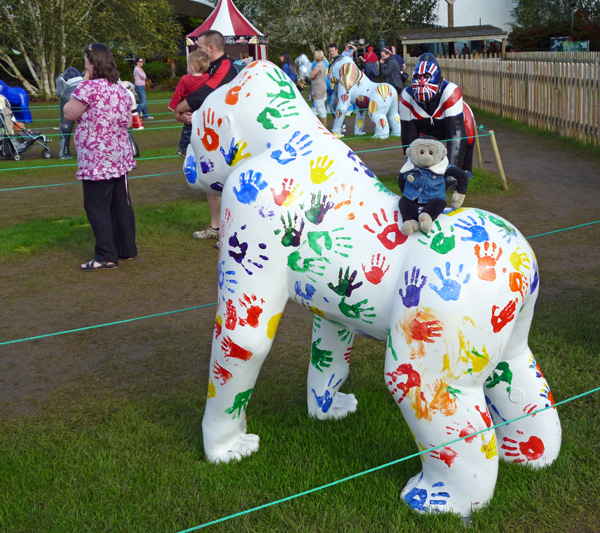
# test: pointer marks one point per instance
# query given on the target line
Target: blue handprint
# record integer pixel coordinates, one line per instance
(226, 276)
(413, 290)
(326, 400)
(417, 497)
(291, 152)
(190, 170)
(250, 186)
(306, 294)
(477, 231)
(450, 289)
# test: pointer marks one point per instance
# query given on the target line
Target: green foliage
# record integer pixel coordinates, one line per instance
(537, 21)
(316, 24)
(51, 35)
(157, 71)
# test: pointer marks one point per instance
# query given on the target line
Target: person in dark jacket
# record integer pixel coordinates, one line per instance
(221, 71)
(390, 69)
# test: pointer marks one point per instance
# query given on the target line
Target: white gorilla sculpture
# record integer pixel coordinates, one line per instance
(304, 219)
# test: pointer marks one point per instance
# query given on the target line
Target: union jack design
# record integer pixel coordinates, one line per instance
(425, 81)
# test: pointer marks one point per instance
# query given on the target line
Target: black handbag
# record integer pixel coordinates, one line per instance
(403, 75)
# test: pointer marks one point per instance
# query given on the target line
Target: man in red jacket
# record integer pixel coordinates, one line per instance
(221, 71)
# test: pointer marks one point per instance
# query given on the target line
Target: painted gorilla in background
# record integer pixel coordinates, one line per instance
(434, 106)
(66, 83)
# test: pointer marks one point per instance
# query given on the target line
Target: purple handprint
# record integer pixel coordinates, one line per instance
(413, 290)
(240, 257)
(346, 283)
(292, 153)
(450, 289)
(292, 236)
(318, 209)
(250, 186)
(477, 231)
(351, 155)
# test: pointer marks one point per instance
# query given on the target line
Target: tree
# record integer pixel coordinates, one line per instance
(40, 39)
(316, 23)
(536, 21)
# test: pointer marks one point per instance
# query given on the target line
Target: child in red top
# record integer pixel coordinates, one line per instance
(197, 76)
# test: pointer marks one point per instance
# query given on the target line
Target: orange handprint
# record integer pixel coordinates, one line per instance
(424, 331)
(486, 263)
(210, 139)
(231, 98)
(342, 189)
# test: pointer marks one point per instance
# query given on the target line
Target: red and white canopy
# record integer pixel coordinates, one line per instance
(227, 19)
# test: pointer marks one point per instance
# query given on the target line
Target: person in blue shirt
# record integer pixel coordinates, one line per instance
(288, 66)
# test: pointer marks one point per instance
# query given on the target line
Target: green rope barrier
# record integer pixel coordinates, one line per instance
(386, 465)
(207, 305)
(105, 325)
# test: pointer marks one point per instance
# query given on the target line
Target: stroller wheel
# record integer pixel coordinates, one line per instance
(47, 154)
(17, 157)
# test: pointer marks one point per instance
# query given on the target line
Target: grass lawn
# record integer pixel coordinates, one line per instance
(119, 448)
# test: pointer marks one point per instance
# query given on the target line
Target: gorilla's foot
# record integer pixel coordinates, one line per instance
(233, 449)
(341, 406)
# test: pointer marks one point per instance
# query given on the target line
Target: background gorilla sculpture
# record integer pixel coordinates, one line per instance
(304, 219)
(434, 106)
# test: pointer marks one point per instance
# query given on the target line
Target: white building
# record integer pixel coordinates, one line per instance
(476, 12)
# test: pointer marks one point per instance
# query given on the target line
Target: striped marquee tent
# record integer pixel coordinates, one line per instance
(240, 35)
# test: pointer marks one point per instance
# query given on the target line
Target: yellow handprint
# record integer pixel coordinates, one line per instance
(241, 146)
(519, 261)
(318, 169)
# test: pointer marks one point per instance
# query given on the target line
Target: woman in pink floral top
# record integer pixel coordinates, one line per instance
(102, 109)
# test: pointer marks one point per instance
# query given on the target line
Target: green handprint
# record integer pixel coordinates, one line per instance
(345, 284)
(285, 85)
(264, 116)
(355, 310)
(240, 403)
(502, 372)
(313, 241)
(320, 358)
(442, 244)
(297, 264)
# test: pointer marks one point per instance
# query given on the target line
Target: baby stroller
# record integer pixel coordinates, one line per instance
(14, 137)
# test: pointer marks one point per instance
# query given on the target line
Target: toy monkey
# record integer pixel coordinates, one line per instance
(422, 181)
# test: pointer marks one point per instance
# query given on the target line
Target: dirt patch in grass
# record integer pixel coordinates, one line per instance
(553, 185)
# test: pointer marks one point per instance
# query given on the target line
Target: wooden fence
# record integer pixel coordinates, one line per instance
(554, 96)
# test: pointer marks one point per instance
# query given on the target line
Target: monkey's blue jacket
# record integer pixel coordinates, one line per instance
(424, 184)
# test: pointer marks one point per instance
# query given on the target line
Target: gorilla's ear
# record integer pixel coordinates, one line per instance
(444, 151)
(228, 121)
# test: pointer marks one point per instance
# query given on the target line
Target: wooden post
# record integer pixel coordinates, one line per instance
(498, 160)
(478, 148)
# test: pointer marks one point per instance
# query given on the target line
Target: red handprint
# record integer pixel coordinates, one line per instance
(231, 98)
(210, 139)
(487, 261)
(424, 331)
(221, 374)
(467, 430)
(390, 237)
(286, 191)
(347, 354)
(404, 372)
(218, 326)
(445, 454)
(375, 274)
(230, 315)
(504, 317)
(250, 303)
(231, 349)
(485, 415)
(528, 450)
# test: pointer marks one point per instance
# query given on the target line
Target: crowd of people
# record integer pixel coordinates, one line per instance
(102, 109)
